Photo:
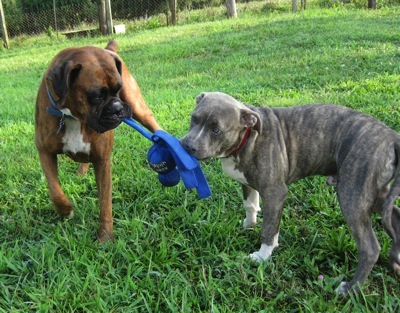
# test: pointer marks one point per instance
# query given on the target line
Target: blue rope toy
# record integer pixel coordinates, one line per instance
(168, 158)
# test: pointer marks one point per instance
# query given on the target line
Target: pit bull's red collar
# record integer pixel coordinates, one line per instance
(244, 139)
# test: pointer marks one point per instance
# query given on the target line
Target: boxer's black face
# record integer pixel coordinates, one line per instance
(107, 110)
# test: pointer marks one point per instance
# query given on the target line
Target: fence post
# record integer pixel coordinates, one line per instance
(109, 18)
(172, 7)
(4, 27)
(55, 18)
(101, 9)
(294, 6)
(231, 8)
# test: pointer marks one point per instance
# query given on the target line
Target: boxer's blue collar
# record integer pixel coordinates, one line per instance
(55, 111)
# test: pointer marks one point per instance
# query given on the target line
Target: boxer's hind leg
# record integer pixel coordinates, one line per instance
(62, 205)
(251, 202)
(83, 169)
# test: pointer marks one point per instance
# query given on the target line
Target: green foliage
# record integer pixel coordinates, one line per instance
(360, 4)
(172, 251)
(50, 32)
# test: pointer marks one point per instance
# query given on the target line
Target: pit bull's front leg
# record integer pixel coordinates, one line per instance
(273, 200)
(251, 202)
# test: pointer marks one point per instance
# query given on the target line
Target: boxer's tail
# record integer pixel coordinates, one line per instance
(393, 194)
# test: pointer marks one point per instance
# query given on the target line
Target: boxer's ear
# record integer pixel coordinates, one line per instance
(118, 64)
(117, 59)
(112, 46)
(249, 118)
(60, 78)
(200, 97)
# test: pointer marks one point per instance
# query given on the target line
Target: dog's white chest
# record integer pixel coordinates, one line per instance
(229, 166)
(73, 139)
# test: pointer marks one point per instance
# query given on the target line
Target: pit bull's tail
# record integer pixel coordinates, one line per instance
(391, 197)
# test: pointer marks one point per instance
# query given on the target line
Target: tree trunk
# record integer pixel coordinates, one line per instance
(172, 7)
(109, 17)
(101, 9)
(371, 4)
(231, 8)
(294, 6)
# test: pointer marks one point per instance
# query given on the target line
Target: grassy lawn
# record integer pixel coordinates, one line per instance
(173, 252)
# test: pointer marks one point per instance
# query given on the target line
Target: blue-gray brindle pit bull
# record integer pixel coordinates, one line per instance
(267, 149)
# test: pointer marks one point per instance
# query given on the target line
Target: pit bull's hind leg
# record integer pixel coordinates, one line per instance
(357, 211)
(393, 230)
(395, 250)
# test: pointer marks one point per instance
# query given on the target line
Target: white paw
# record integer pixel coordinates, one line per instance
(342, 289)
(249, 222)
(256, 257)
(265, 251)
(396, 262)
(70, 215)
(396, 268)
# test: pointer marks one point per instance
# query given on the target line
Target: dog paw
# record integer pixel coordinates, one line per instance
(104, 235)
(66, 209)
(249, 223)
(395, 260)
(342, 290)
(256, 257)
(331, 180)
(70, 215)
(264, 253)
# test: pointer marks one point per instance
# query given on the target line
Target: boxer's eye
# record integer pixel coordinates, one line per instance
(98, 96)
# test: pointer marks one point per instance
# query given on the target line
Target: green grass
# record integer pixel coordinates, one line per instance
(173, 252)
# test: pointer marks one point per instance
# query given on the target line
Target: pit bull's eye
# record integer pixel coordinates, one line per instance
(216, 130)
(194, 120)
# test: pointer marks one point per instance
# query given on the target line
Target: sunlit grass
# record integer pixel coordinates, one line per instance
(172, 251)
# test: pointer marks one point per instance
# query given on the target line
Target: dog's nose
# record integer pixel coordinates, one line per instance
(188, 147)
(116, 107)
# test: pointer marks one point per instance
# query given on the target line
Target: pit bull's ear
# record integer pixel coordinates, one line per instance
(60, 78)
(200, 97)
(249, 118)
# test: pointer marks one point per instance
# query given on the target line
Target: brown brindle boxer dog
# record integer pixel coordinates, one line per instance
(84, 94)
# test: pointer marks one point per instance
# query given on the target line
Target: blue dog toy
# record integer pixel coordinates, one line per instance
(168, 158)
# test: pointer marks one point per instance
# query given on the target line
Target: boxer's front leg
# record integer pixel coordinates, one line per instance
(102, 171)
(62, 204)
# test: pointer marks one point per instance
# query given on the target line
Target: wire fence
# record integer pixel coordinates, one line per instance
(64, 18)
(71, 15)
